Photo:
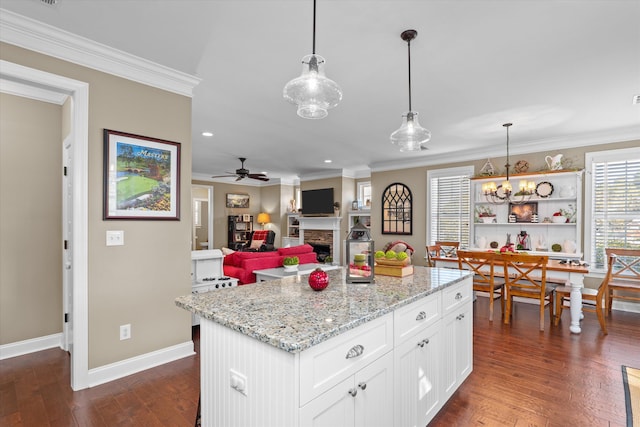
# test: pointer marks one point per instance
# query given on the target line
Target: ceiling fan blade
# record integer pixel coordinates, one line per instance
(259, 176)
(223, 176)
(239, 178)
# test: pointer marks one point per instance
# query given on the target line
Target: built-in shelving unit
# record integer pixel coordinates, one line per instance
(239, 230)
(292, 236)
(556, 190)
(361, 216)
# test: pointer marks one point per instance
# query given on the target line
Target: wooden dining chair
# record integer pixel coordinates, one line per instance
(482, 264)
(448, 249)
(625, 275)
(433, 251)
(595, 297)
(526, 277)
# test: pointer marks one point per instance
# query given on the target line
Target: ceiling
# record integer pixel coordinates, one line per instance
(564, 72)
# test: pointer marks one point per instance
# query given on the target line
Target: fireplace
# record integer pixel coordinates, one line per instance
(323, 233)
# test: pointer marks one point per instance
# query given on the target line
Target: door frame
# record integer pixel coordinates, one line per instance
(79, 137)
(209, 189)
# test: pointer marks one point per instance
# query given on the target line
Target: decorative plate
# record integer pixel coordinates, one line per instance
(544, 189)
(500, 193)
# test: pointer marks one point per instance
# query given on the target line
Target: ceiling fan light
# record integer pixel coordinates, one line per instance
(313, 92)
(410, 136)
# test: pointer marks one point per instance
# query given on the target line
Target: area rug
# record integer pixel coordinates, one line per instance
(631, 379)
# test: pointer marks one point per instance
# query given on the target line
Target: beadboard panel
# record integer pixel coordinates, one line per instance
(223, 350)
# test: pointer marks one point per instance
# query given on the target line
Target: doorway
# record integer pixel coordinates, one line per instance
(202, 217)
(24, 81)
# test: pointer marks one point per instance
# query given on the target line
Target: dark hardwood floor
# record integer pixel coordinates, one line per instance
(521, 377)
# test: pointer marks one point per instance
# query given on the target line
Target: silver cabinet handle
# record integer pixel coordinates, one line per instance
(421, 316)
(423, 342)
(363, 386)
(460, 317)
(353, 392)
(355, 351)
(458, 295)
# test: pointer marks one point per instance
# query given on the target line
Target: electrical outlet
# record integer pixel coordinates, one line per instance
(125, 332)
(238, 381)
(115, 238)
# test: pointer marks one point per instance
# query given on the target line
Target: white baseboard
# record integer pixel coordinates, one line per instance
(626, 306)
(30, 346)
(136, 364)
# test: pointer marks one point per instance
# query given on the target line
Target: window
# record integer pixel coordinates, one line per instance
(612, 203)
(364, 195)
(449, 205)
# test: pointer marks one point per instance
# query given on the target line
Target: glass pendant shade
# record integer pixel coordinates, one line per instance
(313, 92)
(411, 135)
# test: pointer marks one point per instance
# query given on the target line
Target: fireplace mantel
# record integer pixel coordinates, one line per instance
(323, 223)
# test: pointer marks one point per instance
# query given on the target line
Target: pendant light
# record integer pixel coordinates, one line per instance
(503, 193)
(313, 92)
(411, 136)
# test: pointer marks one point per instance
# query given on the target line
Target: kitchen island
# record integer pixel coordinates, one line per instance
(277, 353)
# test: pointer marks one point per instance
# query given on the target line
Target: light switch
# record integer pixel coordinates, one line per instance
(115, 237)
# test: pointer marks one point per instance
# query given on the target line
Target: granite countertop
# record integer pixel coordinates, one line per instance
(288, 314)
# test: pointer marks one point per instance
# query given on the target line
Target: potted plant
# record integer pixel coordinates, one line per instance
(564, 215)
(485, 214)
(290, 263)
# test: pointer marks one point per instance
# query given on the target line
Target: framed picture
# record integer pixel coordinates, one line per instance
(246, 217)
(524, 211)
(354, 205)
(141, 177)
(237, 200)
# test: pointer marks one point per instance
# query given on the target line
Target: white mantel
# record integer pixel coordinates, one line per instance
(322, 223)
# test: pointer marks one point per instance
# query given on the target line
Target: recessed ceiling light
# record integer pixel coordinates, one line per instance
(636, 100)
(207, 133)
(328, 161)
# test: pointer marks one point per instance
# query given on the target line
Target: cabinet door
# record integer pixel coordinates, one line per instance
(417, 382)
(333, 408)
(374, 401)
(457, 356)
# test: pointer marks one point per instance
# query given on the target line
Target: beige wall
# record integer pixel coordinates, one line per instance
(30, 218)
(136, 283)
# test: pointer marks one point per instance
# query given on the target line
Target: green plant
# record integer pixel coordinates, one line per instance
(291, 260)
(556, 247)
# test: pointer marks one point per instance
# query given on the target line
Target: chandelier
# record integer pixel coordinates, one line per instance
(313, 92)
(503, 193)
(410, 136)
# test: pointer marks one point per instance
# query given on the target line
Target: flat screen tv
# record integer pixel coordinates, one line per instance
(317, 202)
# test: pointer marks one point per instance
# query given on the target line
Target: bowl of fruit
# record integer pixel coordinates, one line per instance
(391, 258)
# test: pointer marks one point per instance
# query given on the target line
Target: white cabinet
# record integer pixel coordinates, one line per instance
(417, 363)
(556, 190)
(457, 363)
(362, 400)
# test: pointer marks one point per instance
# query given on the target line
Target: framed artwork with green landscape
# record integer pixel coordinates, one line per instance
(141, 177)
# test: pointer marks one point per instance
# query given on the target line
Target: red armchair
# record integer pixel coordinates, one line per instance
(260, 241)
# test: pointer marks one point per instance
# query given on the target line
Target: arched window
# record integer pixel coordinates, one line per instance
(397, 209)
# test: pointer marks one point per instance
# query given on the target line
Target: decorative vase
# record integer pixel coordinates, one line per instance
(482, 242)
(569, 246)
(290, 267)
(488, 219)
(554, 163)
(318, 279)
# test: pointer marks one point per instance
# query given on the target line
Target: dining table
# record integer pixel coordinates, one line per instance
(569, 272)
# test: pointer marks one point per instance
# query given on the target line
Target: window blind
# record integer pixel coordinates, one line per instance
(615, 216)
(450, 208)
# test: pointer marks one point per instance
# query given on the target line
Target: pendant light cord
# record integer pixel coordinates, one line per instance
(313, 51)
(409, 57)
(507, 125)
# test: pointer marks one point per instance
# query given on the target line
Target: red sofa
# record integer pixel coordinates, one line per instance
(241, 265)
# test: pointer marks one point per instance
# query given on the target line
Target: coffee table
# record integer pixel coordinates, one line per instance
(279, 273)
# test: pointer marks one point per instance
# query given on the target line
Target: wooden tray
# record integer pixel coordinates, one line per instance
(385, 270)
(392, 262)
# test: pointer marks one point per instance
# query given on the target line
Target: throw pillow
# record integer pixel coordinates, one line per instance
(227, 251)
(255, 244)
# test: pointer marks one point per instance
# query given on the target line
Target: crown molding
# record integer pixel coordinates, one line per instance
(43, 38)
(550, 144)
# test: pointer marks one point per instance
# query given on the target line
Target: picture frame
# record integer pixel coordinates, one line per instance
(141, 177)
(354, 205)
(397, 209)
(237, 200)
(523, 212)
(246, 217)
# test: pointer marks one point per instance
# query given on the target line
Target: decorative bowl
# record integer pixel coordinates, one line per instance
(290, 267)
(559, 219)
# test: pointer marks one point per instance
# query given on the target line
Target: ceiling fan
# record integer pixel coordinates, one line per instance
(243, 173)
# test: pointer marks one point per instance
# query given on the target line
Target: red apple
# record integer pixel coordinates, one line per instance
(318, 279)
